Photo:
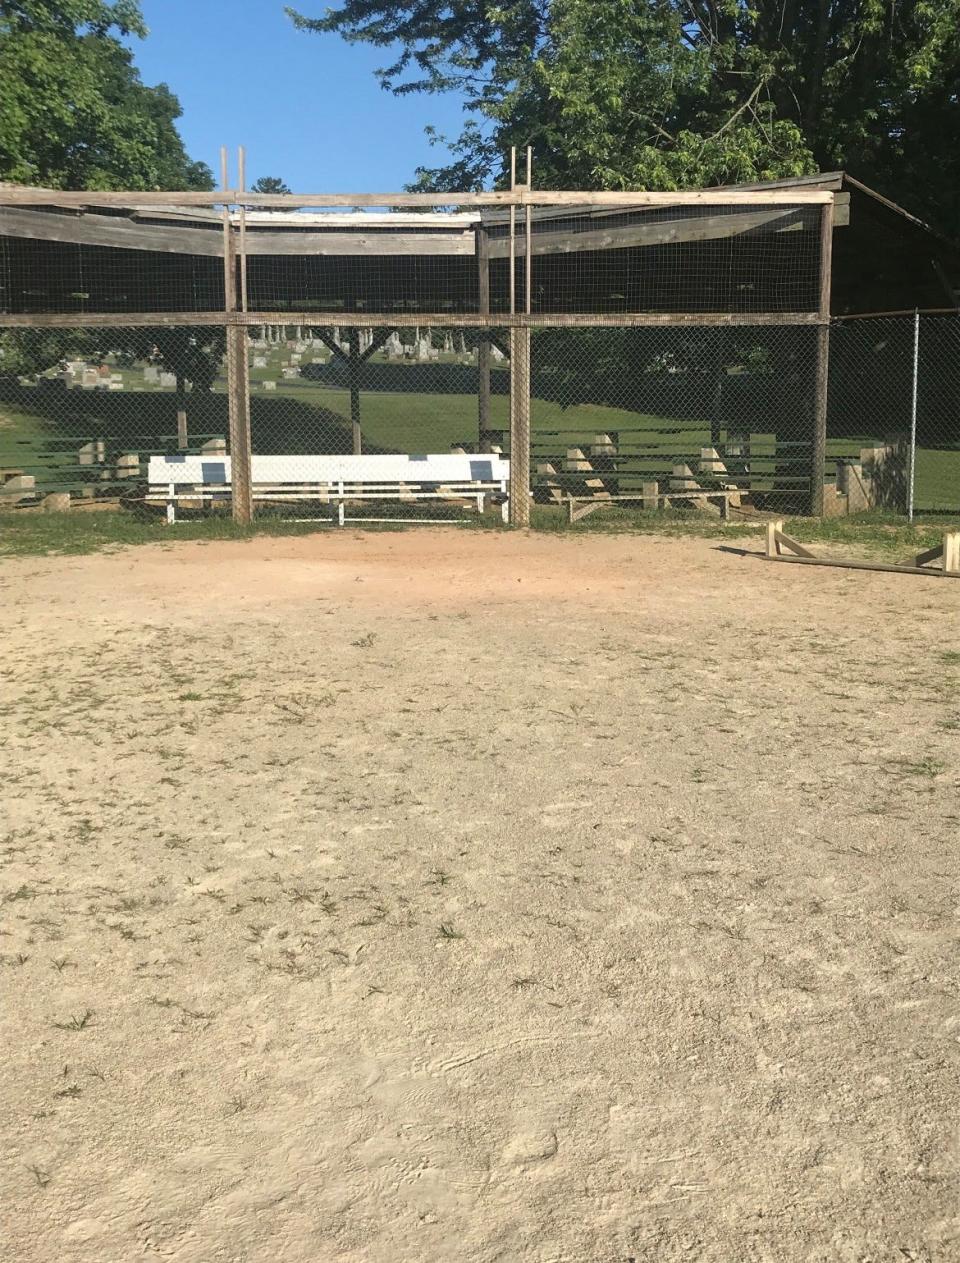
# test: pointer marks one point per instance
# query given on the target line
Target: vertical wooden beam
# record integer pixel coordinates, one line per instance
(520, 427)
(353, 373)
(242, 250)
(513, 233)
(238, 404)
(528, 242)
(238, 377)
(183, 439)
(483, 343)
(819, 444)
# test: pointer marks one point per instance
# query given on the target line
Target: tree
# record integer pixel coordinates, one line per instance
(674, 93)
(74, 113)
(270, 184)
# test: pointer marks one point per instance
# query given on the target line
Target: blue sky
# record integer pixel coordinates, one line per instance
(306, 106)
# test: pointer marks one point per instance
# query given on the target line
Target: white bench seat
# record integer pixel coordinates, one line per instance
(457, 477)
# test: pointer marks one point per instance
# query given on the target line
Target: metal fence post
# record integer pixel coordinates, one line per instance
(912, 456)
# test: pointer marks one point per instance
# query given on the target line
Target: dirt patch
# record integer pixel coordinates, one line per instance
(450, 895)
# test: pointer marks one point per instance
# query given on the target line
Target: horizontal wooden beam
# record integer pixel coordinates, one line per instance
(17, 195)
(543, 215)
(113, 231)
(360, 245)
(668, 232)
(437, 319)
(120, 233)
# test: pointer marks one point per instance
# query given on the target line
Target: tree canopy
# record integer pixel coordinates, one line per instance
(270, 184)
(74, 113)
(668, 94)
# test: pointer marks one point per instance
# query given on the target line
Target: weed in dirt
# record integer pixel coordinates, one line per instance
(377, 914)
(521, 984)
(61, 964)
(73, 1091)
(22, 892)
(42, 1177)
(236, 1105)
(927, 767)
(439, 877)
(365, 642)
(448, 931)
(76, 1021)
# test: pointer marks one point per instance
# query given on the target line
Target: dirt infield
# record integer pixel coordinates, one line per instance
(458, 896)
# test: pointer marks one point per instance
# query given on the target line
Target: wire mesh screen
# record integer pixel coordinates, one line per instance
(84, 411)
(692, 258)
(874, 364)
(698, 258)
(38, 276)
(365, 424)
(367, 351)
(670, 415)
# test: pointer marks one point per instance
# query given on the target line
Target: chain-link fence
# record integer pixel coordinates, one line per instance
(708, 417)
(83, 411)
(893, 420)
(570, 350)
(705, 417)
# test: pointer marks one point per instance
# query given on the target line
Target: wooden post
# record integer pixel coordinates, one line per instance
(353, 372)
(528, 240)
(182, 436)
(819, 444)
(238, 404)
(773, 530)
(238, 377)
(483, 344)
(513, 233)
(520, 427)
(951, 552)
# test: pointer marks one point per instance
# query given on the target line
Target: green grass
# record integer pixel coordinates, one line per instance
(29, 532)
(306, 415)
(878, 535)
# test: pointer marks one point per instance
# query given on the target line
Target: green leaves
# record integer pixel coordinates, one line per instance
(73, 110)
(673, 93)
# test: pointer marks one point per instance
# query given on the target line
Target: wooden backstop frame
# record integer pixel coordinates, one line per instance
(236, 318)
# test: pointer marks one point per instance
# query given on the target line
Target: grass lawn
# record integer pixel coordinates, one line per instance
(870, 534)
(305, 415)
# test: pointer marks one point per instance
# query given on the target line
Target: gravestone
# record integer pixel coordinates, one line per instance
(259, 361)
(151, 373)
(17, 488)
(269, 385)
(168, 381)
